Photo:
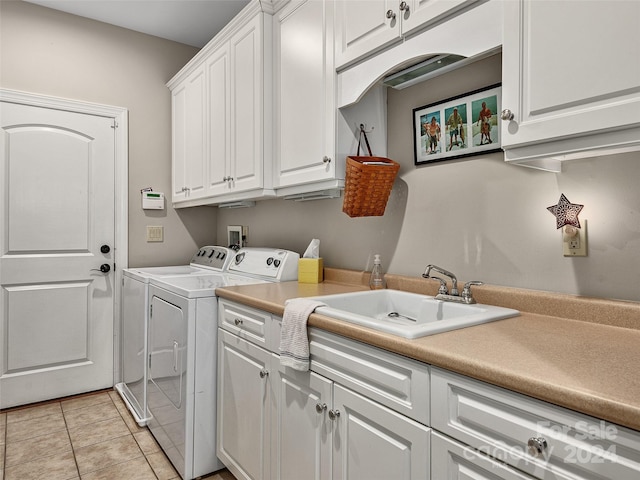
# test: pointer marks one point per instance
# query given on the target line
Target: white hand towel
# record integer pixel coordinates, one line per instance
(294, 343)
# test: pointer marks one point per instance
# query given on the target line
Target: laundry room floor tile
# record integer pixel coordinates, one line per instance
(86, 437)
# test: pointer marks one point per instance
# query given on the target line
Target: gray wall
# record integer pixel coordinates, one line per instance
(53, 53)
(478, 217)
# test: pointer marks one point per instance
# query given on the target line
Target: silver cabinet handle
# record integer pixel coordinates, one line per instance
(326, 159)
(404, 6)
(321, 407)
(391, 14)
(507, 114)
(334, 414)
(238, 321)
(536, 446)
(264, 373)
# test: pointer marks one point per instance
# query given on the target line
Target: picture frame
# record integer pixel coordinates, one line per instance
(458, 127)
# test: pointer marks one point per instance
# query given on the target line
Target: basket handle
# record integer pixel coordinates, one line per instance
(366, 140)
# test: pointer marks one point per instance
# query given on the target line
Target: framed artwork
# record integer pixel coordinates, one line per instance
(458, 127)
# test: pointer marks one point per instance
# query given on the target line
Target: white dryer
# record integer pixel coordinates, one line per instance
(135, 308)
(182, 346)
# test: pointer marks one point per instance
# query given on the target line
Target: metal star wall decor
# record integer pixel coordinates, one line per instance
(566, 213)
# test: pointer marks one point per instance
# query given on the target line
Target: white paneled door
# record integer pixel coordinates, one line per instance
(57, 239)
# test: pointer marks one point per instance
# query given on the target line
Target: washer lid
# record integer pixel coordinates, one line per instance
(199, 286)
(145, 273)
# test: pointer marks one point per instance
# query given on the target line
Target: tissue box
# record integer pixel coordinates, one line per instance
(310, 270)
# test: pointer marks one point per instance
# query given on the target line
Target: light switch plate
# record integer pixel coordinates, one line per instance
(155, 233)
(576, 246)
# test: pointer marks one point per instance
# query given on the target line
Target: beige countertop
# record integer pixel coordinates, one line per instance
(585, 358)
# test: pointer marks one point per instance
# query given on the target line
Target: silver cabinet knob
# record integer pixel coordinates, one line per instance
(326, 160)
(391, 14)
(264, 373)
(238, 321)
(334, 414)
(536, 446)
(321, 407)
(404, 6)
(507, 114)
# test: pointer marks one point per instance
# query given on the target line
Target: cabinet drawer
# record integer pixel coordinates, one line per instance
(455, 461)
(246, 322)
(397, 382)
(501, 423)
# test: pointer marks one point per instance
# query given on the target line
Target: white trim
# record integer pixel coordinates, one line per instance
(120, 116)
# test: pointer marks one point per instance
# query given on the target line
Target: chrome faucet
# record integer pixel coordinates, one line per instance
(443, 285)
(454, 296)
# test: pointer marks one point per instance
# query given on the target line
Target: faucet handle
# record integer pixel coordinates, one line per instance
(466, 291)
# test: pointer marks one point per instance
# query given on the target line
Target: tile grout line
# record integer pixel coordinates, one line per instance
(73, 449)
(146, 459)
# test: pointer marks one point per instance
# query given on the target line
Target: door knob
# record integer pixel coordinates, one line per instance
(105, 268)
(105, 249)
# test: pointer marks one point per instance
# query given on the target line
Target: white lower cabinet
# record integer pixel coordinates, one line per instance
(302, 429)
(452, 460)
(373, 442)
(245, 401)
(535, 437)
(280, 423)
(326, 431)
(363, 413)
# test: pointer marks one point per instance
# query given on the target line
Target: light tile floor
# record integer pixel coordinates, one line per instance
(88, 437)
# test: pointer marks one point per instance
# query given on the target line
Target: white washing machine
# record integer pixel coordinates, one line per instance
(135, 308)
(182, 341)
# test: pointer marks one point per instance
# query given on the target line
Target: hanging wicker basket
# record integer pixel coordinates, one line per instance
(368, 183)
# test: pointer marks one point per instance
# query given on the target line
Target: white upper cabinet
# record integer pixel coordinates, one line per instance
(248, 99)
(219, 157)
(222, 111)
(189, 136)
(366, 26)
(305, 98)
(571, 80)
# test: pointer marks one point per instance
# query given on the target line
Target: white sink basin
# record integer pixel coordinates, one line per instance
(412, 315)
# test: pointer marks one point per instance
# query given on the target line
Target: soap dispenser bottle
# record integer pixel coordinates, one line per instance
(376, 280)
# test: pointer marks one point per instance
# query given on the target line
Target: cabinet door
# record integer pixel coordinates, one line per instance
(247, 110)
(305, 112)
(245, 399)
(189, 120)
(362, 27)
(373, 442)
(218, 77)
(301, 429)
(418, 13)
(570, 72)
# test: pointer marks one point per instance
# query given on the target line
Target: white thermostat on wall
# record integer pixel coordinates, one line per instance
(153, 201)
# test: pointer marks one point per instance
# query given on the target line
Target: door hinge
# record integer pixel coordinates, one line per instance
(115, 124)
(150, 311)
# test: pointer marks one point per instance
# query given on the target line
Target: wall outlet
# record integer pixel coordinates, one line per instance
(574, 241)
